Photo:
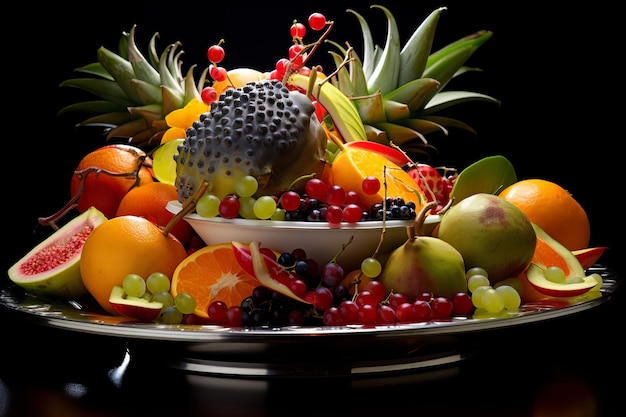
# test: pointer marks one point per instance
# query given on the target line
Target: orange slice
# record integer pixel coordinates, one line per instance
(352, 165)
(210, 274)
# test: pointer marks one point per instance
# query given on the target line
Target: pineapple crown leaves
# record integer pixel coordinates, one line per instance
(398, 90)
(135, 92)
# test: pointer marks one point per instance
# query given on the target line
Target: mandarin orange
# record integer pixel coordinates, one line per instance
(105, 186)
(552, 208)
(124, 245)
(150, 201)
(212, 273)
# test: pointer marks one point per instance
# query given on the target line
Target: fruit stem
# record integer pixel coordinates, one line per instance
(188, 206)
(417, 229)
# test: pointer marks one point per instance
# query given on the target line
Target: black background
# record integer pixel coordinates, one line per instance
(555, 70)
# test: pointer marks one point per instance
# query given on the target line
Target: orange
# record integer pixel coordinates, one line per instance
(210, 274)
(352, 165)
(552, 208)
(103, 190)
(150, 201)
(124, 245)
(238, 77)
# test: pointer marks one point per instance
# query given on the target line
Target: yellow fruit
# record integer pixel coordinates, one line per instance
(352, 165)
(238, 77)
(125, 245)
(163, 163)
(552, 208)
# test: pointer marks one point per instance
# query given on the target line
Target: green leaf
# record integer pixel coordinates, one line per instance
(415, 52)
(488, 175)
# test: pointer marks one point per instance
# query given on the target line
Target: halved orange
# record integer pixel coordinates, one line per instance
(352, 165)
(212, 273)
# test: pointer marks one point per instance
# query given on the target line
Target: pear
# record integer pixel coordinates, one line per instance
(424, 264)
(491, 233)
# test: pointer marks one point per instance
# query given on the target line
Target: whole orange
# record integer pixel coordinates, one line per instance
(552, 208)
(124, 245)
(150, 200)
(103, 190)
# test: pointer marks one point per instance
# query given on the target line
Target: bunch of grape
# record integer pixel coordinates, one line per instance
(157, 288)
(320, 202)
(330, 302)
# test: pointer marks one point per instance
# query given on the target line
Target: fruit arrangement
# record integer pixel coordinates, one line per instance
(298, 144)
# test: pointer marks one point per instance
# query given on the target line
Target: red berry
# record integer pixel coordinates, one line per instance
(218, 73)
(208, 95)
(317, 21)
(441, 308)
(215, 54)
(370, 185)
(297, 30)
(462, 303)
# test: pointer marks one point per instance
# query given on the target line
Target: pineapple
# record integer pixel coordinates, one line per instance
(135, 93)
(398, 91)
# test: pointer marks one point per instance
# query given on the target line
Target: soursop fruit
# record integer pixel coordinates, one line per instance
(262, 129)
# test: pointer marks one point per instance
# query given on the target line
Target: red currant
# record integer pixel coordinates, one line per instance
(370, 185)
(208, 95)
(218, 73)
(317, 21)
(297, 30)
(215, 54)
(290, 200)
(352, 213)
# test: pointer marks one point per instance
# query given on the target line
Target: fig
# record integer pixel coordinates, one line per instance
(491, 233)
(424, 264)
(52, 268)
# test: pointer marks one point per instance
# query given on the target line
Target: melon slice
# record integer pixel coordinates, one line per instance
(52, 268)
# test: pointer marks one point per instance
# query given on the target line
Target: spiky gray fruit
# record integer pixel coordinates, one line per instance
(262, 129)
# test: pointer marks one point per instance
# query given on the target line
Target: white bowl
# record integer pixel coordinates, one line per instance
(320, 241)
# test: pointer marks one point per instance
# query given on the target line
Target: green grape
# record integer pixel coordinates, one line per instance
(555, 274)
(510, 297)
(477, 270)
(246, 186)
(157, 282)
(208, 205)
(185, 303)
(246, 207)
(574, 280)
(264, 207)
(476, 281)
(171, 315)
(163, 297)
(279, 214)
(134, 285)
(514, 282)
(492, 301)
(477, 295)
(371, 267)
